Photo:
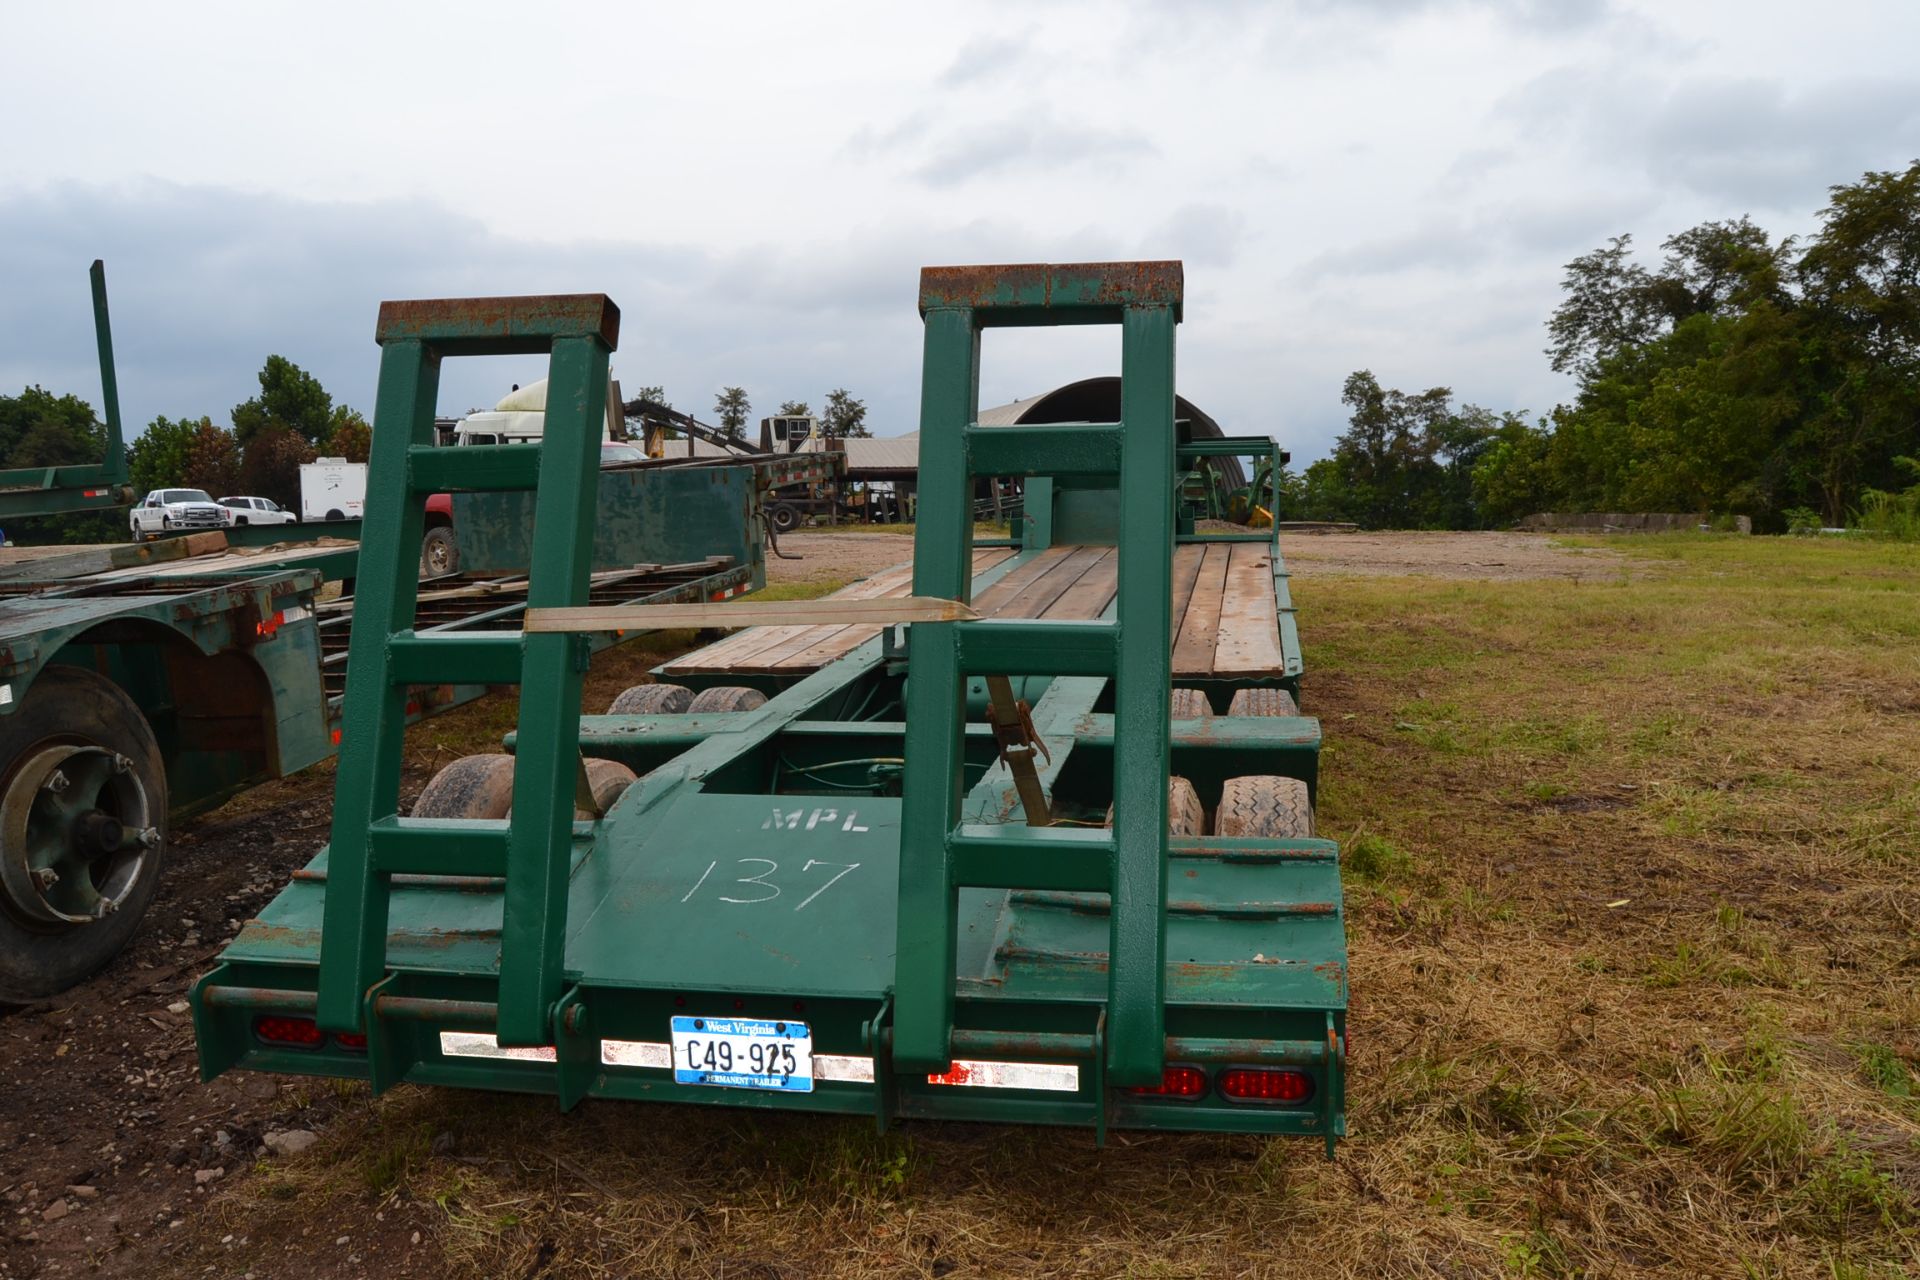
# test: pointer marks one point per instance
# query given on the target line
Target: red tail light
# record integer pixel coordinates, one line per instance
(298, 1033)
(1266, 1084)
(350, 1040)
(1177, 1082)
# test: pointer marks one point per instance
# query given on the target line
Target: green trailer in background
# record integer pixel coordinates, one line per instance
(1044, 855)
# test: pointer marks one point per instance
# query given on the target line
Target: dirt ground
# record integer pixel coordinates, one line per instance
(115, 1160)
(838, 556)
(1493, 555)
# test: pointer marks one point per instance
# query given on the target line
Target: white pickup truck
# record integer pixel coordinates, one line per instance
(176, 511)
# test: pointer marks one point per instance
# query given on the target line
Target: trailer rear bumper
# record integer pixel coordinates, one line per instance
(612, 1044)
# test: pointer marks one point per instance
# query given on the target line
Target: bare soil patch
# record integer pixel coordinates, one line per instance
(837, 557)
(1487, 555)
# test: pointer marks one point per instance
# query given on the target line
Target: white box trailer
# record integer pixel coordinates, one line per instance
(332, 489)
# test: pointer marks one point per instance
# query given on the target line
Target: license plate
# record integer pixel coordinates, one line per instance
(743, 1053)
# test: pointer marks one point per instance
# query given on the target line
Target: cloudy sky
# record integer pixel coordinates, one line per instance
(1388, 184)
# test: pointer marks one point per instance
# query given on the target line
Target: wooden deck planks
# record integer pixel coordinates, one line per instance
(1193, 642)
(1248, 636)
(765, 650)
(1224, 618)
(1089, 597)
(1033, 598)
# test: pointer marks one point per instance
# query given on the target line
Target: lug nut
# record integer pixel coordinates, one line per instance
(46, 877)
(106, 908)
(121, 764)
(150, 837)
(56, 782)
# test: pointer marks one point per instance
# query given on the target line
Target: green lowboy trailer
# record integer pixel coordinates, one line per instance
(1022, 833)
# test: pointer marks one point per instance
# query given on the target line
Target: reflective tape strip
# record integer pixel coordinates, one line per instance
(478, 1044)
(1051, 1077)
(299, 613)
(636, 1053)
(1054, 1077)
(831, 1066)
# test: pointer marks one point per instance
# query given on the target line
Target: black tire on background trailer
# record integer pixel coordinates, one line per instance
(470, 787)
(784, 516)
(1264, 807)
(726, 697)
(651, 700)
(335, 513)
(607, 779)
(71, 708)
(1185, 816)
(1263, 702)
(439, 553)
(1190, 704)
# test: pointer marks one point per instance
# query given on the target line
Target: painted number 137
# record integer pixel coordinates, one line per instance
(761, 887)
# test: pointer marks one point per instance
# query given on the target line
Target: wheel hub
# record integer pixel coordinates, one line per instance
(75, 831)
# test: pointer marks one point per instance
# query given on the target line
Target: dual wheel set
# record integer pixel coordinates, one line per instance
(1256, 806)
(482, 786)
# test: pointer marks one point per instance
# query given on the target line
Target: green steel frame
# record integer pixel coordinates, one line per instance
(934, 938)
(939, 856)
(371, 843)
(38, 491)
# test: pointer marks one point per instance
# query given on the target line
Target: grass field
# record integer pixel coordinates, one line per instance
(1633, 880)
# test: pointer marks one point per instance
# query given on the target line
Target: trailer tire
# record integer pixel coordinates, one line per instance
(784, 516)
(607, 779)
(439, 553)
(1263, 807)
(73, 707)
(1263, 702)
(726, 697)
(1185, 815)
(651, 700)
(335, 513)
(470, 787)
(1190, 704)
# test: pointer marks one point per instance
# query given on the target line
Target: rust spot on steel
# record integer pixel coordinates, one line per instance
(427, 1009)
(269, 998)
(1195, 969)
(1039, 284)
(1015, 953)
(531, 318)
(457, 884)
(982, 286)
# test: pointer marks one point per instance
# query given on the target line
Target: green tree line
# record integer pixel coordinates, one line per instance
(293, 420)
(1743, 374)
